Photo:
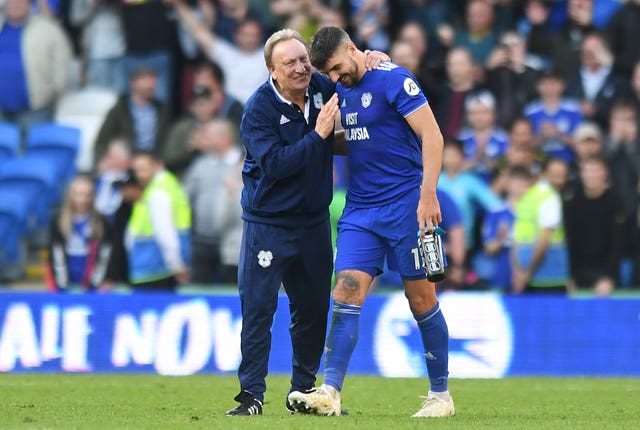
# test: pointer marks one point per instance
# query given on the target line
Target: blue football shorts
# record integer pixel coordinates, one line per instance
(367, 235)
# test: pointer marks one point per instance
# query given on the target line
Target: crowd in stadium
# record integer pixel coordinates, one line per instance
(538, 102)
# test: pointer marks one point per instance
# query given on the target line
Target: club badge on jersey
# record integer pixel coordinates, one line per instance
(433, 260)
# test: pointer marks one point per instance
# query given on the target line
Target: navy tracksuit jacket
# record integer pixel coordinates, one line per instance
(288, 186)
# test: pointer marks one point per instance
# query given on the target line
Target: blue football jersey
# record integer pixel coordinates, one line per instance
(385, 154)
(566, 118)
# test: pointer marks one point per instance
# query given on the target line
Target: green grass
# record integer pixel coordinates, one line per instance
(199, 402)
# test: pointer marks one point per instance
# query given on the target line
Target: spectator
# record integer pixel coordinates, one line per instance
(102, 41)
(157, 237)
(369, 18)
(206, 185)
(510, 78)
(209, 74)
(536, 28)
(207, 101)
(539, 250)
(623, 33)
(480, 35)
(565, 45)
(622, 149)
(554, 118)
(138, 118)
(635, 87)
(403, 54)
(520, 153)
(595, 84)
(118, 267)
(36, 58)
(556, 171)
(183, 141)
(431, 70)
(469, 192)
(450, 99)
(229, 15)
(521, 132)
(454, 242)
(306, 17)
(80, 241)
(111, 168)
(242, 62)
(594, 219)
(484, 143)
(587, 143)
(430, 15)
(231, 240)
(493, 263)
(524, 145)
(150, 35)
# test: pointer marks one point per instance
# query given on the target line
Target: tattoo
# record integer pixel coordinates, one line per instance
(349, 281)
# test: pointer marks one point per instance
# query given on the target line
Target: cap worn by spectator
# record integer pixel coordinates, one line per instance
(586, 131)
(483, 97)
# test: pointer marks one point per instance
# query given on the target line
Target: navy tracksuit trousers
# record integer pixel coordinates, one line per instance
(301, 259)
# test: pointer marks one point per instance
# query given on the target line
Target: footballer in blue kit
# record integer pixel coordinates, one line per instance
(394, 150)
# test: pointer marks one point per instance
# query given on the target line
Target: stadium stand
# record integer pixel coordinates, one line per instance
(35, 180)
(56, 143)
(14, 227)
(9, 141)
(86, 110)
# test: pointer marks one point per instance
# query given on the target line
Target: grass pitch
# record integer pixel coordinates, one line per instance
(199, 402)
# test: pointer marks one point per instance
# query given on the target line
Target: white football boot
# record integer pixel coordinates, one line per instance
(323, 400)
(436, 405)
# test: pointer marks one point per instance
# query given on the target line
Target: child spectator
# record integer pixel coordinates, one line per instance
(493, 263)
(554, 118)
(80, 241)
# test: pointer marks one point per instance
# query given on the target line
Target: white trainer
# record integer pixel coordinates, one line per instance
(323, 400)
(436, 406)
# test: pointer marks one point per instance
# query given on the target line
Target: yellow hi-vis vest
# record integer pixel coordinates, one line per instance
(526, 229)
(554, 267)
(146, 262)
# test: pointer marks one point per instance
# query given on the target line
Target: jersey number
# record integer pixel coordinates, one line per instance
(416, 258)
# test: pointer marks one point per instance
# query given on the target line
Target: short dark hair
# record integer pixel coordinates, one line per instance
(520, 172)
(624, 103)
(204, 65)
(146, 153)
(455, 144)
(325, 43)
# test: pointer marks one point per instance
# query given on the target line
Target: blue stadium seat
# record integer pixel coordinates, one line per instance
(36, 179)
(59, 143)
(9, 140)
(14, 227)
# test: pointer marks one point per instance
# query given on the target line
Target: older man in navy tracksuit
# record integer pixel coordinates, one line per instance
(287, 129)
